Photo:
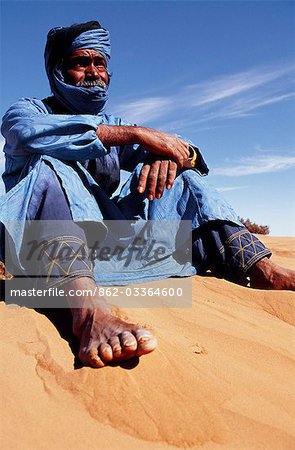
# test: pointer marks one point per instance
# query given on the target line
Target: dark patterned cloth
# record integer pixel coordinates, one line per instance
(64, 258)
(227, 250)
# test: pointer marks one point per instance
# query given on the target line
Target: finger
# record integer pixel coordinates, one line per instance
(172, 171)
(180, 158)
(182, 148)
(143, 178)
(172, 149)
(186, 149)
(162, 178)
(152, 180)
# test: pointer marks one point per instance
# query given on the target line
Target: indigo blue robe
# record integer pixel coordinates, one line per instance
(35, 136)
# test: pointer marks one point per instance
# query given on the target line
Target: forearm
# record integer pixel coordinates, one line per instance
(121, 135)
(151, 140)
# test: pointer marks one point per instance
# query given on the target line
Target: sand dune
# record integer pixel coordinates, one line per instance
(222, 377)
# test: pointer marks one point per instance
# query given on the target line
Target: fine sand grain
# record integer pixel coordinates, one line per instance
(222, 377)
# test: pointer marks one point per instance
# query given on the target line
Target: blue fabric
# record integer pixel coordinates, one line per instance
(87, 204)
(98, 40)
(30, 131)
(227, 250)
(60, 239)
(186, 201)
(35, 139)
(75, 99)
(79, 100)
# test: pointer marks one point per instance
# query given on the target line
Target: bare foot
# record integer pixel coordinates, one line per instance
(267, 275)
(104, 338)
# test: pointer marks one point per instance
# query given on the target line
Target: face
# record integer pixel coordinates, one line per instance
(86, 68)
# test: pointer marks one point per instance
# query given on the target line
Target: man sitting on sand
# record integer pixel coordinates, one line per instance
(63, 162)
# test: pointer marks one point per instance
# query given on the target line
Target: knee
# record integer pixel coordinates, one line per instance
(48, 181)
(48, 200)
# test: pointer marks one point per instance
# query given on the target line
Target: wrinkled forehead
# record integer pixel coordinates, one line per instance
(87, 52)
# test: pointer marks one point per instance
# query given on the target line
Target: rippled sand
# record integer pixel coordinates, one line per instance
(222, 377)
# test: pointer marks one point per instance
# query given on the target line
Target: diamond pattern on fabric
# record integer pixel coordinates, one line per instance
(65, 257)
(243, 250)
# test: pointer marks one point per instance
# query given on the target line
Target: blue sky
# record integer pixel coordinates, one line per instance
(218, 72)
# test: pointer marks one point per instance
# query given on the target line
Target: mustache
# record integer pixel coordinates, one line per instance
(92, 83)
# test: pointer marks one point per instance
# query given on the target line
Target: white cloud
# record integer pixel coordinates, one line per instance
(256, 165)
(144, 110)
(232, 85)
(230, 188)
(244, 106)
(225, 97)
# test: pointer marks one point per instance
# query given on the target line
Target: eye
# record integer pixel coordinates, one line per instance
(80, 61)
(99, 62)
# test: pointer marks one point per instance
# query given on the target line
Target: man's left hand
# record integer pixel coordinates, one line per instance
(155, 174)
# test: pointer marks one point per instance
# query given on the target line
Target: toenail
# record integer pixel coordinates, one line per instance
(128, 344)
(144, 337)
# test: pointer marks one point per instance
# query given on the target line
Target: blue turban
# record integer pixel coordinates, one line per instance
(80, 100)
(98, 40)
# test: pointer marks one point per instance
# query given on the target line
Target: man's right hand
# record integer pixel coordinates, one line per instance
(165, 144)
(154, 141)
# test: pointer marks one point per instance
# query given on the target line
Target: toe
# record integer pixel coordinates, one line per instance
(146, 341)
(106, 352)
(115, 344)
(128, 342)
(89, 357)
